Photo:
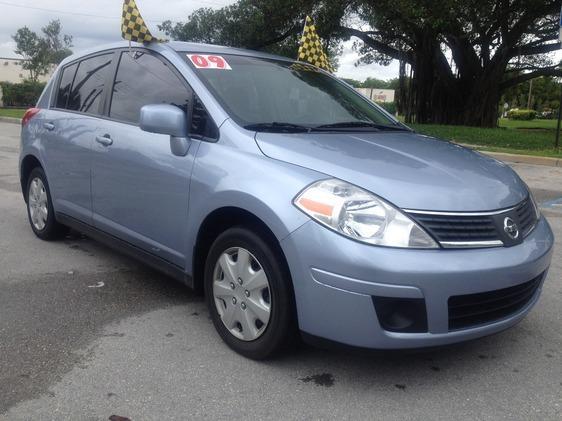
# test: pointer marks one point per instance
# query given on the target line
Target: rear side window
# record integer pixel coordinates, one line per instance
(142, 79)
(65, 85)
(87, 89)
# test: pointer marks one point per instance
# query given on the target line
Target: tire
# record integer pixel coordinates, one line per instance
(262, 338)
(39, 203)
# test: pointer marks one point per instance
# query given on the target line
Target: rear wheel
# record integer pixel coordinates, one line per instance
(249, 294)
(40, 208)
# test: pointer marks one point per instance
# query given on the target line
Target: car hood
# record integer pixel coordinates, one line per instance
(410, 170)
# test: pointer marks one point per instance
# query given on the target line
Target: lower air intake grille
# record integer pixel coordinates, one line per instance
(475, 309)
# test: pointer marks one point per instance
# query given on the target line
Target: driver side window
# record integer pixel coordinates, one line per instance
(142, 79)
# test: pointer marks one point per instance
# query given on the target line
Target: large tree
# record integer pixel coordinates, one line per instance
(270, 25)
(40, 52)
(463, 54)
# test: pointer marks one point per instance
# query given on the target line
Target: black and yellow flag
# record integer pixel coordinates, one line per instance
(311, 50)
(133, 27)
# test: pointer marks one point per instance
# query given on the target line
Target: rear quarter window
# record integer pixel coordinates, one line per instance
(65, 85)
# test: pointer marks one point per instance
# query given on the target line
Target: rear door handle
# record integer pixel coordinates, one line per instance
(104, 140)
(49, 126)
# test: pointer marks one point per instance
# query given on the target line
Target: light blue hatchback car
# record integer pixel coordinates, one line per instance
(295, 203)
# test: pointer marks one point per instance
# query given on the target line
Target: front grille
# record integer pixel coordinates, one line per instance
(526, 215)
(485, 307)
(447, 228)
(477, 229)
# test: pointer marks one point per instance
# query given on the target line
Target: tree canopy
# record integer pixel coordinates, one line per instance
(544, 95)
(463, 54)
(41, 52)
(373, 83)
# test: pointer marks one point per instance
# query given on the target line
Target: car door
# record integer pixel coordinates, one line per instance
(140, 189)
(69, 128)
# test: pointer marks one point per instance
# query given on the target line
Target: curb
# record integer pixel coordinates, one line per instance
(10, 120)
(526, 159)
(520, 159)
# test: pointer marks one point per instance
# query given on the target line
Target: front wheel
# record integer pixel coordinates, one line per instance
(249, 294)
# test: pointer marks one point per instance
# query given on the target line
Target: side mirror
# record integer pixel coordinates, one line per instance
(167, 119)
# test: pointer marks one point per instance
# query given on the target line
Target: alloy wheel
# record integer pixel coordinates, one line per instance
(38, 204)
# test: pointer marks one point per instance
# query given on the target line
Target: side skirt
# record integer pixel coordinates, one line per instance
(128, 249)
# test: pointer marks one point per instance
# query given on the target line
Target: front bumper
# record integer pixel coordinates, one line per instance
(335, 280)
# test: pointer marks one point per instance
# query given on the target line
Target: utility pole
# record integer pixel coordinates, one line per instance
(530, 92)
(557, 141)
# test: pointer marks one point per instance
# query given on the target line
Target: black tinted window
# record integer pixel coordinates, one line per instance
(201, 123)
(87, 89)
(144, 79)
(65, 85)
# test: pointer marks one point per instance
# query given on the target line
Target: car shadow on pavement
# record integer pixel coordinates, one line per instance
(504, 355)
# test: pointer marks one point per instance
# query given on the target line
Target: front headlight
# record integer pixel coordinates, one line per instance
(361, 215)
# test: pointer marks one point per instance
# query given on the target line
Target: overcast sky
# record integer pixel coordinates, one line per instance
(97, 22)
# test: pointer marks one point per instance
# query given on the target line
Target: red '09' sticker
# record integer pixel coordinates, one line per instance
(207, 61)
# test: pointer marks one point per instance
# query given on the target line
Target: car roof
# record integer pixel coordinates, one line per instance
(178, 46)
(220, 49)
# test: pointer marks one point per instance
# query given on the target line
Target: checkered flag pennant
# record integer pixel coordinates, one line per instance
(311, 50)
(133, 27)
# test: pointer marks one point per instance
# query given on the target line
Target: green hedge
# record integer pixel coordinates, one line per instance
(521, 114)
(388, 106)
(24, 94)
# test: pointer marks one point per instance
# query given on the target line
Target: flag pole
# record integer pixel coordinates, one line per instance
(302, 35)
(304, 26)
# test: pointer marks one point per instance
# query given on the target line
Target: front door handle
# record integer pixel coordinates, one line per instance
(49, 126)
(104, 140)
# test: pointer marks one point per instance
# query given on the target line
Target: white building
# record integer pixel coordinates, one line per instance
(11, 70)
(377, 95)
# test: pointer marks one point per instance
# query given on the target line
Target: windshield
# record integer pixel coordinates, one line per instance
(275, 95)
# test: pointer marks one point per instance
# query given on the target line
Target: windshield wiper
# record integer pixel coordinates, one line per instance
(359, 124)
(279, 127)
(275, 126)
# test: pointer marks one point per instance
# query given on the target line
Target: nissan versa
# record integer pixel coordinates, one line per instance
(295, 203)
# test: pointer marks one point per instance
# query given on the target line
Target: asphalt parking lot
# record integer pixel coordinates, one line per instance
(86, 334)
